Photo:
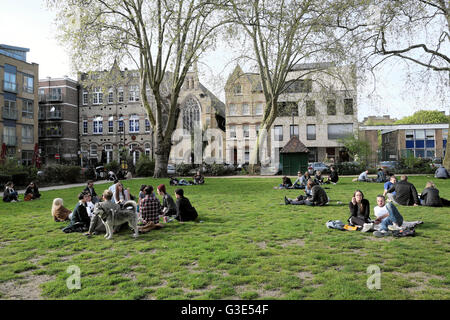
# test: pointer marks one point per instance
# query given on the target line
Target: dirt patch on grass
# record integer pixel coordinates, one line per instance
(24, 289)
(294, 242)
(262, 244)
(305, 275)
(419, 280)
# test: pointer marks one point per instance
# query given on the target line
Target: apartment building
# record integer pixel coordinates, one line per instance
(58, 120)
(19, 103)
(318, 106)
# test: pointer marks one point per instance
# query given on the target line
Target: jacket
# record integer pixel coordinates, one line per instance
(169, 204)
(318, 196)
(185, 211)
(91, 191)
(334, 176)
(405, 193)
(355, 210)
(10, 195)
(442, 173)
(431, 198)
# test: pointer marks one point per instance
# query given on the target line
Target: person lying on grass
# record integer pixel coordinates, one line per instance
(359, 209)
(59, 212)
(318, 196)
(150, 211)
(169, 206)
(185, 211)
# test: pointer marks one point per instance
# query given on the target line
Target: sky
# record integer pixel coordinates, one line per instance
(27, 23)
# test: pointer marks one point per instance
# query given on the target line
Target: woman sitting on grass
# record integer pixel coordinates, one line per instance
(287, 183)
(10, 194)
(169, 206)
(32, 192)
(120, 194)
(359, 209)
(59, 212)
(185, 211)
(318, 179)
(430, 197)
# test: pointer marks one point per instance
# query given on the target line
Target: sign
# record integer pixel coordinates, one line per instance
(57, 156)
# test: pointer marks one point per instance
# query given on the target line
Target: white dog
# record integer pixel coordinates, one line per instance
(112, 218)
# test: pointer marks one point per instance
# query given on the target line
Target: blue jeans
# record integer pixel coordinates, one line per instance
(394, 217)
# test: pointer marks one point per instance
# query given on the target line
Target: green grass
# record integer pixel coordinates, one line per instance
(247, 247)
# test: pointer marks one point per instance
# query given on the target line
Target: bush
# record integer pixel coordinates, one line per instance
(349, 168)
(4, 178)
(145, 167)
(411, 164)
(20, 179)
(183, 169)
(113, 166)
(67, 174)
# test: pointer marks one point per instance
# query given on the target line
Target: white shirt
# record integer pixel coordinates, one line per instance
(380, 211)
(90, 209)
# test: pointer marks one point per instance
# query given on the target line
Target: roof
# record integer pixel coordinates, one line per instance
(218, 105)
(294, 145)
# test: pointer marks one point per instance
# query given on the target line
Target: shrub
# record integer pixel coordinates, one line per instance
(4, 178)
(62, 173)
(145, 167)
(183, 169)
(349, 168)
(20, 179)
(113, 166)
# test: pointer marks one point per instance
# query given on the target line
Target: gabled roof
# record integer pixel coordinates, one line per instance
(294, 145)
(218, 105)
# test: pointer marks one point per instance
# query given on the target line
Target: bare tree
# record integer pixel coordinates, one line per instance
(163, 38)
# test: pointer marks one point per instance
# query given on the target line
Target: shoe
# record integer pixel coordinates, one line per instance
(382, 233)
(87, 234)
(394, 227)
(367, 227)
(286, 201)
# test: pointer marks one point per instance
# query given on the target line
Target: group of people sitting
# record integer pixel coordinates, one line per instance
(302, 179)
(382, 176)
(116, 197)
(11, 195)
(197, 179)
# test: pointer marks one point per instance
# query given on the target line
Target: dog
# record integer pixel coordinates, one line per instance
(112, 218)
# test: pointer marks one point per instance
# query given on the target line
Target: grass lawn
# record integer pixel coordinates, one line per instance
(247, 247)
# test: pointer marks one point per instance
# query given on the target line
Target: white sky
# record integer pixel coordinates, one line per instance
(27, 23)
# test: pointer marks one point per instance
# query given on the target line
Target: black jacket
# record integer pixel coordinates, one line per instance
(334, 176)
(431, 197)
(93, 193)
(318, 196)
(34, 191)
(405, 193)
(185, 211)
(355, 210)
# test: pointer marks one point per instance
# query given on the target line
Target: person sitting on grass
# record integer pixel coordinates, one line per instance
(405, 193)
(185, 210)
(441, 173)
(359, 209)
(10, 194)
(388, 217)
(381, 176)
(364, 177)
(120, 195)
(389, 184)
(90, 188)
(96, 226)
(198, 178)
(430, 197)
(287, 183)
(59, 212)
(169, 206)
(32, 192)
(333, 176)
(141, 196)
(150, 211)
(318, 179)
(318, 196)
(300, 182)
(79, 219)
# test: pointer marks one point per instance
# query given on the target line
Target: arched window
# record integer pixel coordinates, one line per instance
(191, 114)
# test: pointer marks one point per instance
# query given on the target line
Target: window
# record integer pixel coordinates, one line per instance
(237, 89)
(232, 130)
(109, 153)
(257, 129)
(28, 83)
(134, 123)
(245, 109)
(296, 86)
(120, 129)
(93, 151)
(110, 95)
(340, 131)
(409, 134)
(133, 94)
(259, 109)
(278, 131)
(147, 125)
(246, 130)
(247, 154)
(27, 134)
(28, 109)
(9, 135)
(310, 108)
(9, 110)
(111, 124)
(85, 97)
(232, 110)
(97, 96)
(120, 93)
(98, 125)
(348, 106)
(85, 126)
(191, 114)
(294, 130)
(53, 130)
(27, 157)
(147, 149)
(55, 94)
(41, 94)
(9, 80)
(311, 132)
(331, 107)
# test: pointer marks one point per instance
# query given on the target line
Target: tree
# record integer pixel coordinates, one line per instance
(283, 34)
(163, 38)
(424, 117)
(357, 148)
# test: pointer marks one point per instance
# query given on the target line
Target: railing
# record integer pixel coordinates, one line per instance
(9, 140)
(10, 86)
(28, 89)
(55, 97)
(42, 98)
(54, 115)
(9, 113)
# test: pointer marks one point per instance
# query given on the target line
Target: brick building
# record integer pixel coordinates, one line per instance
(19, 103)
(58, 120)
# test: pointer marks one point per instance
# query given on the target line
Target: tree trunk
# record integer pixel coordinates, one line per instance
(162, 154)
(446, 162)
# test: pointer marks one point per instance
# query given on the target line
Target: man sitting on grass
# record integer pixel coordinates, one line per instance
(185, 211)
(388, 217)
(405, 193)
(318, 196)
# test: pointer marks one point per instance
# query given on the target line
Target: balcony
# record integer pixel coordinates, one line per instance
(57, 97)
(53, 133)
(10, 86)
(9, 113)
(42, 98)
(28, 89)
(10, 140)
(55, 115)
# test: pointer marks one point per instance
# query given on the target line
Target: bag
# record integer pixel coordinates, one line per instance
(28, 197)
(350, 228)
(404, 233)
(335, 224)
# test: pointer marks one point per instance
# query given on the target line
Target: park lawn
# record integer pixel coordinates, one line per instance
(247, 246)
